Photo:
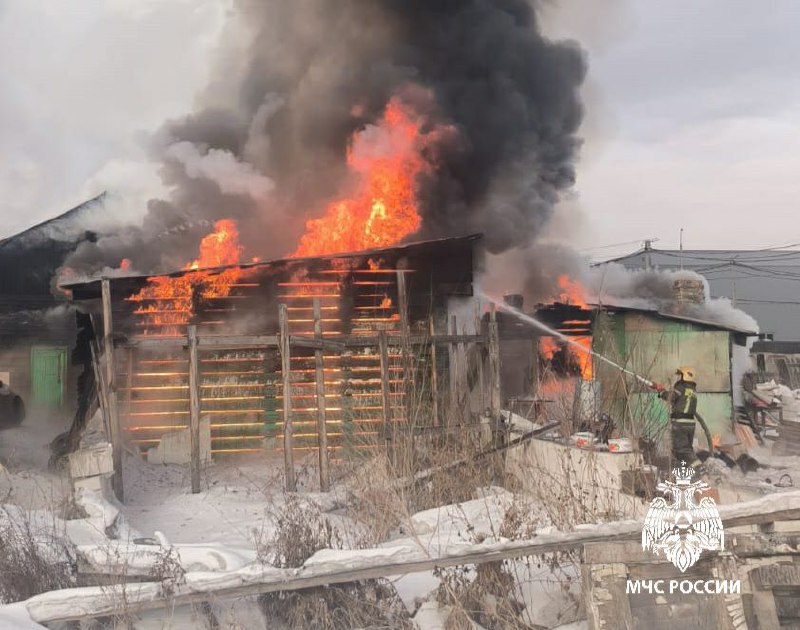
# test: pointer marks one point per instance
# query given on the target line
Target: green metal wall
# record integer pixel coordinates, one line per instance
(654, 347)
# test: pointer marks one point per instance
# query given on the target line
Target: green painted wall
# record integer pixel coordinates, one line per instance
(654, 347)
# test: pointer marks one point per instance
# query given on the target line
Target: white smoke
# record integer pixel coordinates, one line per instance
(231, 175)
(614, 285)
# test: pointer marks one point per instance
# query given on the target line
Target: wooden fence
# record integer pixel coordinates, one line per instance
(303, 391)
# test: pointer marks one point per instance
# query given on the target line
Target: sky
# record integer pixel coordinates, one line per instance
(693, 112)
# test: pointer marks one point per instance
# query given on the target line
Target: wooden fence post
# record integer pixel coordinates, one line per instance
(130, 363)
(386, 398)
(286, 373)
(495, 394)
(402, 303)
(481, 355)
(194, 408)
(322, 426)
(434, 375)
(452, 353)
(111, 390)
(494, 365)
(405, 350)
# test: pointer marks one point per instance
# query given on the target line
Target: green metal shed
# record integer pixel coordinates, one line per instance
(654, 344)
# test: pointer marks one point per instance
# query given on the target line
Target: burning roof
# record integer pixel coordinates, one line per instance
(91, 289)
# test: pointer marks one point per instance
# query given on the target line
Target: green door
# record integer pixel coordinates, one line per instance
(48, 373)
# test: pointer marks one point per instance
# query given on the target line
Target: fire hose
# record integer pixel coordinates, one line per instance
(559, 335)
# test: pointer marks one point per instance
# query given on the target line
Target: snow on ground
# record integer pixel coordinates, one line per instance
(16, 616)
(778, 473)
(237, 504)
(549, 597)
(215, 533)
(24, 454)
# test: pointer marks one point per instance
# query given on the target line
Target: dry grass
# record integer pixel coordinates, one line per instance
(34, 557)
(491, 594)
(302, 530)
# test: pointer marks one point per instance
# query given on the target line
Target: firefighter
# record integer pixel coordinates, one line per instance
(682, 399)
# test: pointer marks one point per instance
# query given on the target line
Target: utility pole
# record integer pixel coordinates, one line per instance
(681, 249)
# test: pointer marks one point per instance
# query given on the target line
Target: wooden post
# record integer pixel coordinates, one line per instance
(322, 427)
(452, 351)
(130, 363)
(481, 354)
(286, 372)
(102, 390)
(111, 390)
(463, 365)
(194, 408)
(402, 302)
(386, 398)
(434, 375)
(495, 400)
(405, 349)
(494, 365)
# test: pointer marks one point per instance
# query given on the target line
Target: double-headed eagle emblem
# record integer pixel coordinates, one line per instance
(683, 528)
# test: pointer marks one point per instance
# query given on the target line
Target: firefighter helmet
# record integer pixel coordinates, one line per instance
(686, 373)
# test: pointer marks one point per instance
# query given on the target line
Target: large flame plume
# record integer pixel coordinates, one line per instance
(386, 160)
(167, 302)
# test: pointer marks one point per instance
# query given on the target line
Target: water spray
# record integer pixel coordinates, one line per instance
(562, 337)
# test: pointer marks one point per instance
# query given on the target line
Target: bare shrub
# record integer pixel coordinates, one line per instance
(34, 557)
(492, 594)
(301, 529)
(368, 604)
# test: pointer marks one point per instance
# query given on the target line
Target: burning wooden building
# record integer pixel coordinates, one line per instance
(293, 355)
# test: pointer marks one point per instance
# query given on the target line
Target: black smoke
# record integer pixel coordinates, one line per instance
(295, 79)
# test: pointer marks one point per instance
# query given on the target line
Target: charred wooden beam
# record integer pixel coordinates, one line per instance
(111, 390)
(194, 409)
(434, 376)
(286, 367)
(322, 426)
(386, 395)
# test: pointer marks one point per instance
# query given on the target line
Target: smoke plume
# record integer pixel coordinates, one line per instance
(294, 81)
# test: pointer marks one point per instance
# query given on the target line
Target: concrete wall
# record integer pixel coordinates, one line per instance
(578, 485)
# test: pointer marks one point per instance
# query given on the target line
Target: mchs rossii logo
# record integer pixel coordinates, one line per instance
(681, 528)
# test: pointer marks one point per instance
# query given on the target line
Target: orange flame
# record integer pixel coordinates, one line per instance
(167, 303)
(572, 292)
(548, 347)
(220, 247)
(584, 359)
(386, 159)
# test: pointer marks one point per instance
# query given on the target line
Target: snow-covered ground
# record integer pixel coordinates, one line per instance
(215, 535)
(25, 451)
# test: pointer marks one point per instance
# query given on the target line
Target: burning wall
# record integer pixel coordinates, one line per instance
(241, 391)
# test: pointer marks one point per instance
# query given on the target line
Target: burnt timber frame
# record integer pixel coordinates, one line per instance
(284, 344)
(404, 347)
